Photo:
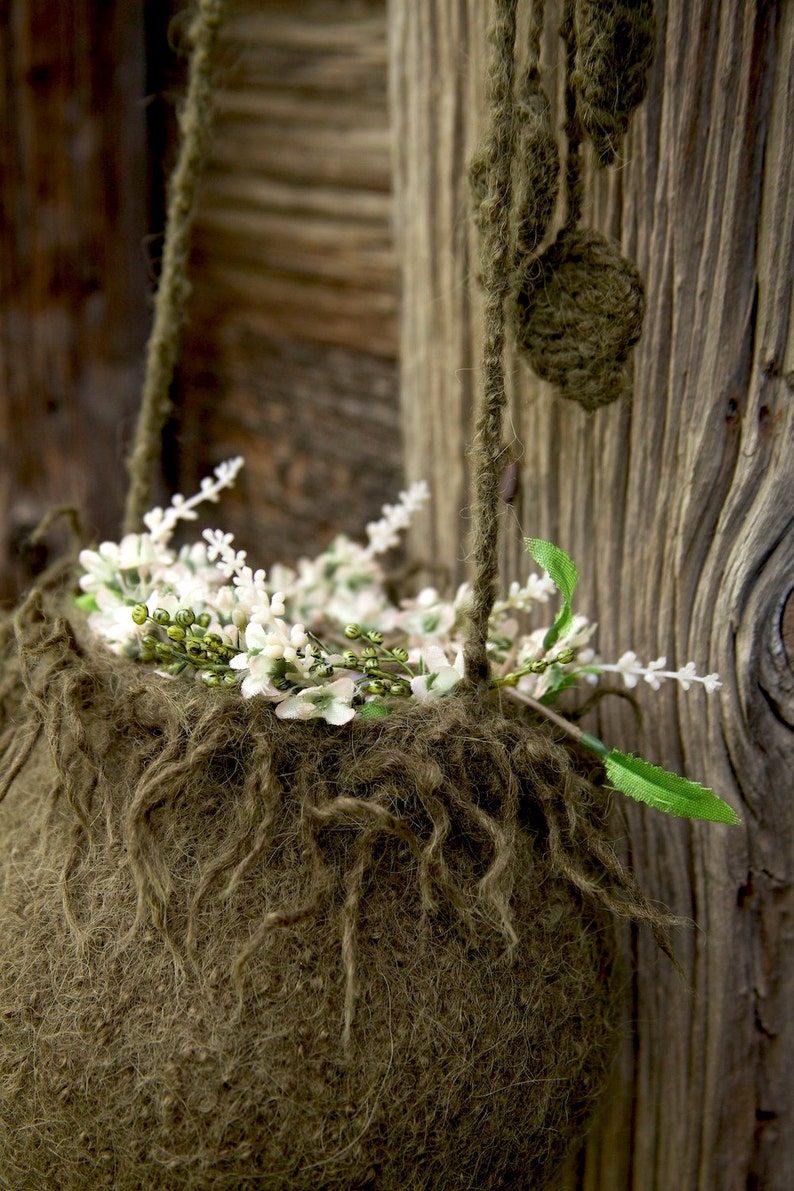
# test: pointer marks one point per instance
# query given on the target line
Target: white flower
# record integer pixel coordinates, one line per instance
(385, 533)
(687, 675)
(161, 523)
(628, 667)
(654, 673)
(105, 566)
(426, 616)
(632, 670)
(331, 703)
(441, 676)
(536, 590)
(228, 561)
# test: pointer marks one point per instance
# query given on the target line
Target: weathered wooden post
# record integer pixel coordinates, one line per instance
(73, 284)
(677, 505)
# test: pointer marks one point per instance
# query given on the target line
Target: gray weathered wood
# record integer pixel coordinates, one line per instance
(290, 351)
(678, 508)
(73, 287)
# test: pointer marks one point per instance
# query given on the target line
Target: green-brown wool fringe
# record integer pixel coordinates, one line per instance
(578, 314)
(244, 952)
(173, 289)
(614, 53)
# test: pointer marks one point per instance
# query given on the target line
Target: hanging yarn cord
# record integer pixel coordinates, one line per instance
(496, 166)
(162, 349)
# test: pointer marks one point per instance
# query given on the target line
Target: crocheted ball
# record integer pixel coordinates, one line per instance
(578, 310)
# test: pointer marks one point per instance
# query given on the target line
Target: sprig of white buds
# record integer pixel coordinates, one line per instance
(324, 639)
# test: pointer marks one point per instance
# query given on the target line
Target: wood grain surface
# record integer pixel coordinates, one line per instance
(678, 506)
(73, 271)
(290, 352)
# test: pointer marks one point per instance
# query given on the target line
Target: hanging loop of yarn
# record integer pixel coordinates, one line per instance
(492, 178)
(537, 155)
(614, 53)
(173, 290)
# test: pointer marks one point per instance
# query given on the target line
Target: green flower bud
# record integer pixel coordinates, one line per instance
(140, 614)
(186, 617)
(160, 616)
(210, 679)
(375, 636)
(400, 689)
(399, 654)
(150, 642)
(351, 659)
(565, 656)
(212, 640)
(204, 620)
(230, 679)
(369, 652)
(353, 632)
(370, 664)
(376, 687)
(176, 632)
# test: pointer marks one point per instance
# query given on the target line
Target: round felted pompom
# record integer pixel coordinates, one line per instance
(538, 163)
(613, 58)
(577, 310)
(245, 952)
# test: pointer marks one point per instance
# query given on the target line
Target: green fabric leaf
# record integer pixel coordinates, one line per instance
(373, 711)
(87, 602)
(666, 791)
(563, 574)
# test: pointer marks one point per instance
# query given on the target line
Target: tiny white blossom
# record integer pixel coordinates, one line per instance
(536, 590)
(385, 533)
(332, 703)
(654, 672)
(161, 523)
(427, 616)
(441, 676)
(632, 670)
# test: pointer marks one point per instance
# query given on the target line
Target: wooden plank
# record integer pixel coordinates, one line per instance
(73, 284)
(678, 507)
(290, 352)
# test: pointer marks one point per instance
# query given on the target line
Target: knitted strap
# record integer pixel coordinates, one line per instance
(496, 252)
(174, 288)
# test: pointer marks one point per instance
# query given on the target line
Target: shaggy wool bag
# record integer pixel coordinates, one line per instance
(242, 952)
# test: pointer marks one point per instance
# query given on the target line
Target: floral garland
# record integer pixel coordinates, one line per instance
(325, 640)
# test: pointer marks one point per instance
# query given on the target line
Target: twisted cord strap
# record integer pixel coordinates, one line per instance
(174, 288)
(494, 216)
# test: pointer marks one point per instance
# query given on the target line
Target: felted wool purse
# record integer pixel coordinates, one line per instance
(241, 951)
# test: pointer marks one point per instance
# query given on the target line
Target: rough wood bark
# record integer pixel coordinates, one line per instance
(290, 350)
(72, 270)
(678, 508)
